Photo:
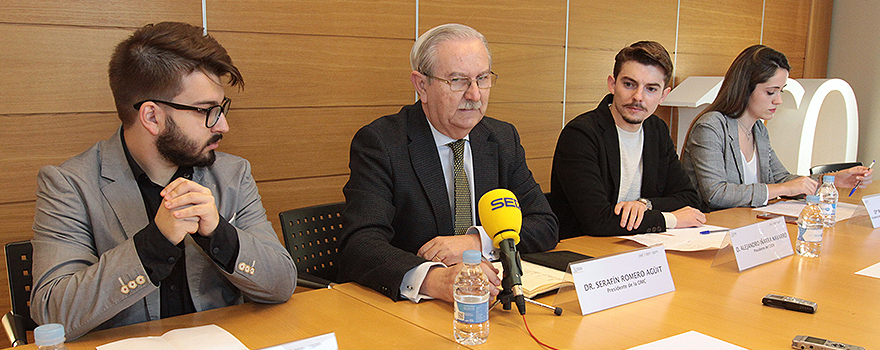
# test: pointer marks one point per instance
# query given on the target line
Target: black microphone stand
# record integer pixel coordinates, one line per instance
(507, 295)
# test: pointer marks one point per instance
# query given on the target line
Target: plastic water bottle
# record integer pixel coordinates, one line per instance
(471, 293)
(50, 336)
(827, 193)
(810, 227)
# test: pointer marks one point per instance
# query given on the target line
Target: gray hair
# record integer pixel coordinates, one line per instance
(423, 57)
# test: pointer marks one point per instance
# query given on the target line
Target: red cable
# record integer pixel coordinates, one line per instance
(533, 336)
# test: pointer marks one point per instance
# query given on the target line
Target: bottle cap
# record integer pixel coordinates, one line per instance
(471, 257)
(828, 178)
(49, 334)
(812, 198)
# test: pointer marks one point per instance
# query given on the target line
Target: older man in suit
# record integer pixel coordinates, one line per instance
(152, 223)
(417, 175)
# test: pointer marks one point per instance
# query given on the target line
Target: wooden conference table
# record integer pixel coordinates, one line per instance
(717, 301)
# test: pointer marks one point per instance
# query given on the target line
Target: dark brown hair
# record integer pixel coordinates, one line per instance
(152, 61)
(755, 65)
(649, 53)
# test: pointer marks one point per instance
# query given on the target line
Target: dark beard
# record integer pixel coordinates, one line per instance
(176, 148)
(630, 120)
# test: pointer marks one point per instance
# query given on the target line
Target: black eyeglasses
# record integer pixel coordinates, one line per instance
(212, 114)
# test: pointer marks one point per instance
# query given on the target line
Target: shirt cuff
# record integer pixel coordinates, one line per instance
(157, 254)
(767, 197)
(222, 246)
(671, 220)
(489, 252)
(413, 279)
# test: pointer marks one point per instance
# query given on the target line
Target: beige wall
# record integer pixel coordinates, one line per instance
(317, 70)
(855, 46)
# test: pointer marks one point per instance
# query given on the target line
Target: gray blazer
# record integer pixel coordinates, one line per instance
(713, 161)
(87, 271)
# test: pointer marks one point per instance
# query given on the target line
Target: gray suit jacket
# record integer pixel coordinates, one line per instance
(713, 161)
(86, 268)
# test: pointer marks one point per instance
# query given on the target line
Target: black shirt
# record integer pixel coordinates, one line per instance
(165, 262)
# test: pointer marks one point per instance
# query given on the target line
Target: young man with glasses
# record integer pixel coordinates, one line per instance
(615, 169)
(416, 176)
(152, 222)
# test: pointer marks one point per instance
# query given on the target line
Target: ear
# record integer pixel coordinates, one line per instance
(665, 93)
(610, 84)
(150, 116)
(419, 82)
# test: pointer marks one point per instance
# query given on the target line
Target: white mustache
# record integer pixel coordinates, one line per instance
(470, 105)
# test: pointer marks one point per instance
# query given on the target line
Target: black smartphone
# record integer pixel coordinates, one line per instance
(788, 219)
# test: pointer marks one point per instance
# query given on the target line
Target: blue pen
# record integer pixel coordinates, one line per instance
(712, 231)
(860, 181)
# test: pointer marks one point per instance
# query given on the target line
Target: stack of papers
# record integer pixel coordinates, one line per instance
(684, 239)
(794, 208)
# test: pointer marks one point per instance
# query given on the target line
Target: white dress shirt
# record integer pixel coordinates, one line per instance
(413, 279)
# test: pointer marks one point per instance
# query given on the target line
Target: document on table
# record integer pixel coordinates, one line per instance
(689, 340)
(793, 208)
(537, 279)
(203, 337)
(321, 342)
(684, 239)
(870, 271)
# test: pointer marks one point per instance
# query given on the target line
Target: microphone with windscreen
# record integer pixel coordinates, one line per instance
(501, 217)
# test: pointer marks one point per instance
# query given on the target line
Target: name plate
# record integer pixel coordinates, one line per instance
(623, 278)
(872, 204)
(760, 243)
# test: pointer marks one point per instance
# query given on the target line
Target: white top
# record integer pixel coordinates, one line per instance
(750, 171)
(750, 168)
(631, 144)
(631, 168)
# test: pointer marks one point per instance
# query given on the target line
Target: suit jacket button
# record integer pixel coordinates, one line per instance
(140, 279)
(124, 289)
(132, 285)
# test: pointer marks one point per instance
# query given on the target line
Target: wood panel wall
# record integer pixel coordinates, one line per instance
(318, 70)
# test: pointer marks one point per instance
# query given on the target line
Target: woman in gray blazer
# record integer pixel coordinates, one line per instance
(728, 155)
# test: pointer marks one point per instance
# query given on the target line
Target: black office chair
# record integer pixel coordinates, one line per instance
(312, 236)
(17, 322)
(830, 168)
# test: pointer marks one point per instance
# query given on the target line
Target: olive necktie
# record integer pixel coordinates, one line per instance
(463, 211)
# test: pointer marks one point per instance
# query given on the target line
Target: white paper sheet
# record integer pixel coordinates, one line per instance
(870, 271)
(684, 239)
(203, 337)
(321, 342)
(794, 208)
(689, 340)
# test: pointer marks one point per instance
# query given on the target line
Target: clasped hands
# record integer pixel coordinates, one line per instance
(448, 250)
(186, 208)
(632, 212)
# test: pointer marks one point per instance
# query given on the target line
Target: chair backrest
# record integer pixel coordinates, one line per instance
(830, 168)
(18, 267)
(312, 236)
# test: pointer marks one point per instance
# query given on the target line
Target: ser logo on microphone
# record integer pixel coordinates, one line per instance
(499, 203)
